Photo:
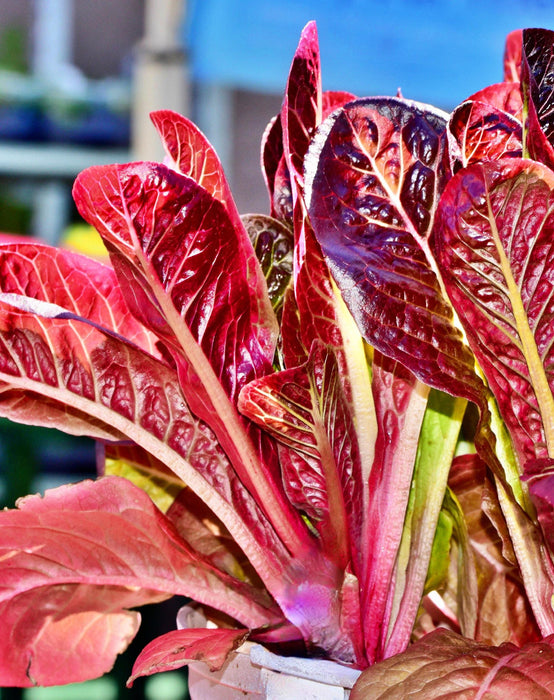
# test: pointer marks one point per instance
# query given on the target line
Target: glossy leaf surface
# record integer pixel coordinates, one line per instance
(494, 243)
(306, 410)
(60, 370)
(538, 94)
(192, 277)
(160, 245)
(400, 404)
(374, 175)
(481, 131)
(190, 153)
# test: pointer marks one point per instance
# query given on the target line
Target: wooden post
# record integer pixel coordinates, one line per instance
(161, 77)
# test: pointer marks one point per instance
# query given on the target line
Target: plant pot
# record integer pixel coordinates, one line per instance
(253, 673)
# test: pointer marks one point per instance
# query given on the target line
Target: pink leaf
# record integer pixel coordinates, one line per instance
(177, 648)
(80, 557)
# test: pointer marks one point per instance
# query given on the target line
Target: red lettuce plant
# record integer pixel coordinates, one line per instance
(331, 426)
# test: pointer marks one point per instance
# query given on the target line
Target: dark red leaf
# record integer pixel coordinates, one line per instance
(482, 132)
(374, 177)
(538, 94)
(494, 246)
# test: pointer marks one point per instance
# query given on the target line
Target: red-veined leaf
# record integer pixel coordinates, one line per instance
(503, 96)
(190, 153)
(81, 285)
(178, 647)
(301, 111)
(478, 131)
(306, 410)
(185, 271)
(58, 370)
(373, 178)
(494, 242)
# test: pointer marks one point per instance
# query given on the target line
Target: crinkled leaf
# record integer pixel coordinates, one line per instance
(306, 410)
(66, 633)
(444, 665)
(374, 175)
(503, 613)
(59, 370)
(494, 248)
(161, 244)
(538, 94)
(512, 56)
(479, 131)
(179, 647)
(81, 285)
(333, 99)
(273, 243)
(190, 153)
(74, 562)
(191, 275)
(503, 96)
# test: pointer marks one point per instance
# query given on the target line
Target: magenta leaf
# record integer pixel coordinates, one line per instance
(445, 665)
(57, 369)
(306, 410)
(190, 153)
(400, 404)
(493, 242)
(505, 97)
(75, 561)
(153, 239)
(540, 476)
(178, 647)
(480, 131)
(192, 277)
(302, 110)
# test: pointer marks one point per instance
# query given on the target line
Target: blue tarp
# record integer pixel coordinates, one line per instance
(438, 51)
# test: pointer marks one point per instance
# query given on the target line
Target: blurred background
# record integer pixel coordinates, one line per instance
(78, 79)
